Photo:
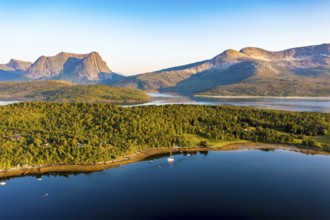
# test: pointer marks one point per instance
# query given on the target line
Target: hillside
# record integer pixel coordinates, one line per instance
(20, 90)
(92, 93)
(274, 87)
(62, 91)
(303, 71)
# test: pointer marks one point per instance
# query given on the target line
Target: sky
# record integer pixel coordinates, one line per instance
(137, 36)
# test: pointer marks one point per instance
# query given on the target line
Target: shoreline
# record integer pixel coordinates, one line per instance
(143, 154)
(266, 97)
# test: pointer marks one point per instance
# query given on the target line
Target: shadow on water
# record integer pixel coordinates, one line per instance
(65, 174)
(267, 149)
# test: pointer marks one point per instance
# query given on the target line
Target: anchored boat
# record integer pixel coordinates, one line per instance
(171, 158)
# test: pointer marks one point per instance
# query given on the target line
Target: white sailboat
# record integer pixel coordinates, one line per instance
(171, 158)
(2, 183)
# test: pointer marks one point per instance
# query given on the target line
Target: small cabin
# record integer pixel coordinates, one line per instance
(17, 137)
(81, 145)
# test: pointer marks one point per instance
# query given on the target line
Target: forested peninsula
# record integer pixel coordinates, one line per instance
(42, 133)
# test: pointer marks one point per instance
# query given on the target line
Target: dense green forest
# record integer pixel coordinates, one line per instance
(62, 91)
(85, 133)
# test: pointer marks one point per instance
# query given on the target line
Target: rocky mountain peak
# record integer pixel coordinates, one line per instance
(91, 67)
(95, 60)
(15, 65)
(255, 52)
(227, 57)
(18, 64)
(69, 66)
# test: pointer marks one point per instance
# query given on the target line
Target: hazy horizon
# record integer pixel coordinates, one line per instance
(141, 36)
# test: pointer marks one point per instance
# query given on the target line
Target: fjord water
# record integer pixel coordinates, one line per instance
(250, 184)
(289, 104)
(7, 102)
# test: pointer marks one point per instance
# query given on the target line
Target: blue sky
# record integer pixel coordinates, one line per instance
(135, 36)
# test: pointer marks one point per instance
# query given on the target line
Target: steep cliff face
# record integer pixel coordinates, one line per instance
(72, 65)
(85, 69)
(47, 67)
(91, 66)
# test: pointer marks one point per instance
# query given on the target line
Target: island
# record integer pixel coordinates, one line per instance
(46, 136)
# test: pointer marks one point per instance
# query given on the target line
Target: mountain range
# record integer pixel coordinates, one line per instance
(76, 68)
(302, 71)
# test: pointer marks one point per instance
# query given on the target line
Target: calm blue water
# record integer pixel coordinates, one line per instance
(249, 184)
(310, 105)
(8, 102)
(300, 105)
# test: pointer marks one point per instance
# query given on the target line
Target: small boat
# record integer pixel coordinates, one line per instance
(39, 179)
(44, 196)
(188, 155)
(171, 158)
(2, 183)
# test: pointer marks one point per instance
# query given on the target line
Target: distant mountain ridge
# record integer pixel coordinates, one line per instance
(15, 65)
(301, 71)
(250, 71)
(77, 68)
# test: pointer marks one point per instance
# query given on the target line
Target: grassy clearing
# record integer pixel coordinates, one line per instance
(325, 139)
(196, 139)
